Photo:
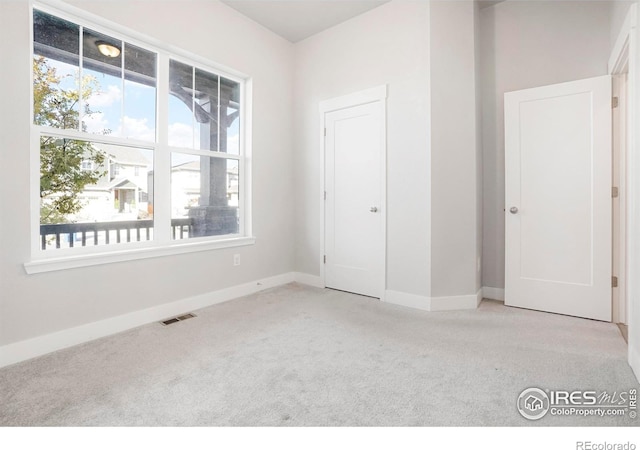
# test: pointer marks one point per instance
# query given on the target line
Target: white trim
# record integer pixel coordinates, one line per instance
(619, 63)
(620, 50)
(492, 293)
(456, 302)
(434, 304)
(633, 198)
(96, 138)
(375, 94)
(94, 259)
(31, 348)
(322, 194)
(309, 280)
(619, 156)
(626, 50)
(409, 300)
(246, 150)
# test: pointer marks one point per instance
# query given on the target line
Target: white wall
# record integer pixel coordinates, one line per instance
(455, 222)
(387, 45)
(426, 55)
(633, 196)
(523, 45)
(618, 13)
(35, 305)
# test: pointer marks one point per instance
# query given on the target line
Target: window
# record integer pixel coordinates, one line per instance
(87, 165)
(112, 175)
(203, 121)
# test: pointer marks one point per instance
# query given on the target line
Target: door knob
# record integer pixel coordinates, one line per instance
(513, 210)
(373, 209)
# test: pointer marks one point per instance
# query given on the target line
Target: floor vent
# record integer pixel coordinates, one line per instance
(177, 319)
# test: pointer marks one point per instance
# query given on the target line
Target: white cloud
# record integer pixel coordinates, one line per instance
(96, 123)
(104, 99)
(181, 135)
(138, 129)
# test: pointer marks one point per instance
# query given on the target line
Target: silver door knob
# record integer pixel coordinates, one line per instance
(373, 209)
(513, 210)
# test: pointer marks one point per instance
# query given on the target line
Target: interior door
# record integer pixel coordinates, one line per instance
(558, 198)
(353, 209)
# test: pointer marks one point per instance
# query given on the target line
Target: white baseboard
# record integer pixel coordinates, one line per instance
(408, 300)
(433, 303)
(634, 360)
(493, 293)
(309, 280)
(31, 348)
(456, 302)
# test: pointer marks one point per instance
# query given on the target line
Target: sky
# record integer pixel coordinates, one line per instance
(128, 110)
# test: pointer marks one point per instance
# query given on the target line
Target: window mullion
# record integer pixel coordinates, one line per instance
(219, 119)
(34, 182)
(246, 177)
(123, 130)
(80, 76)
(162, 157)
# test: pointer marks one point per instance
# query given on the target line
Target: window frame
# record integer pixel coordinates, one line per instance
(162, 243)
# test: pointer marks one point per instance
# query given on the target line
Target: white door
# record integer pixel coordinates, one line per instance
(354, 151)
(558, 198)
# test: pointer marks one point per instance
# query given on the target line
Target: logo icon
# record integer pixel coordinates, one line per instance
(533, 403)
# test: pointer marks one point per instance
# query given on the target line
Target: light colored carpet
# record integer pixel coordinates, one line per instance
(296, 355)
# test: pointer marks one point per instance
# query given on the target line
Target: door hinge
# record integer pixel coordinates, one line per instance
(325, 259)
(325, 195)
(614, 281)
(325, 132)
(614, 192)
(614, 102)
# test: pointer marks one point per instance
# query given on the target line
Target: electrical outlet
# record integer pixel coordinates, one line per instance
(236, 260)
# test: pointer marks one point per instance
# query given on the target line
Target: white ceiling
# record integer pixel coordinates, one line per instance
(296, 20)
(487, 3)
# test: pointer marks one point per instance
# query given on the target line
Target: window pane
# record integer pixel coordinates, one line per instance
(101, 84)
(206, 110)
(94, 194)
(55, 69)
(229, 116)
(205, 195)
(139, 119)
(180, 105)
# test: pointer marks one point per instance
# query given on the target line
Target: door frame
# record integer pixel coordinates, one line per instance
(625, 52)
(372, 95)
(619, 64)
(619, 209)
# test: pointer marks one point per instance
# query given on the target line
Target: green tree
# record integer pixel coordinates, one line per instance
(62, 177)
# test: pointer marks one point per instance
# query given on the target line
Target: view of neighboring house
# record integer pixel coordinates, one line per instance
(122, 193)
(187, 188)
(125, 191)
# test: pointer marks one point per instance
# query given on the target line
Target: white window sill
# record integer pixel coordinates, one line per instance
(72, 262)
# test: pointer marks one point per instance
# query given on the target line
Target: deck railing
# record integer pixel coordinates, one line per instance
(99, 233)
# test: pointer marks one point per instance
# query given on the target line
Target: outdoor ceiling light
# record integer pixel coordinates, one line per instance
(107, 49)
